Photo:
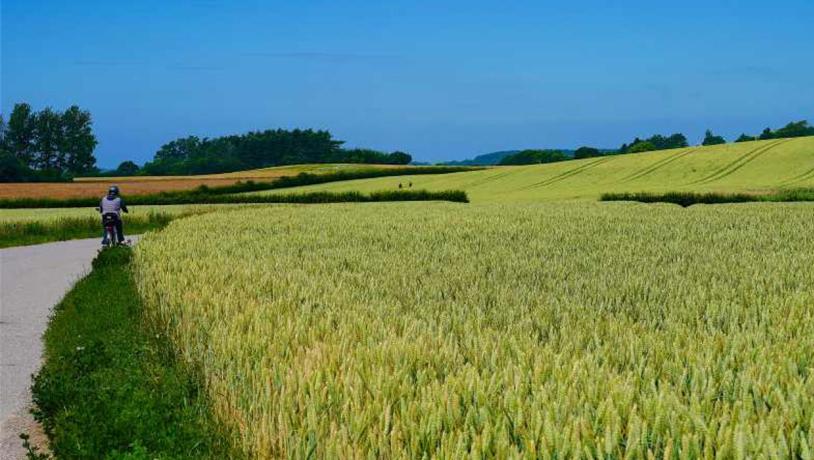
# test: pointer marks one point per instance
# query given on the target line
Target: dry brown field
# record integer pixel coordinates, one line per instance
(143, 185)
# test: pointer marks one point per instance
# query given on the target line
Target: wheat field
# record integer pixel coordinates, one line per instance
(565, 330)
(750, 167)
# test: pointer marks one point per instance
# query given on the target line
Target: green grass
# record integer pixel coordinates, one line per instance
(23, 233)
(52, 214)
(110, 386)
(748, 167)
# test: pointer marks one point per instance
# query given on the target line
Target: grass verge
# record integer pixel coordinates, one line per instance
(70, 228)
(686, 199)
(110, 385)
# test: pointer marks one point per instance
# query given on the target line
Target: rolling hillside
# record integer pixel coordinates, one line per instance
(744, 167)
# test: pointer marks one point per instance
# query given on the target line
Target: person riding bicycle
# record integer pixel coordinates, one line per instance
(112, 206)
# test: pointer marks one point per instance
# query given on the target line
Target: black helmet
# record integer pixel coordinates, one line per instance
(113, 190)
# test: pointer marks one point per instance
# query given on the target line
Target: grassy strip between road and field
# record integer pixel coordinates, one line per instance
(686, 199)
(205, 194)
(110, 385)
(71, 228)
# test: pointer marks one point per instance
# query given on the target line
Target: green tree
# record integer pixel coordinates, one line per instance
(625, 148)
(641, 146)
(655, 142)
(12, 169)
(48, 136)
(711, 139)
(745, 138)
(20, 134)
(658, 141)
(795, 129)
(676, 141)
(586, 152)
(766, 134)
(399, 158)
(77, 141)
(530, 156)
(127, 168)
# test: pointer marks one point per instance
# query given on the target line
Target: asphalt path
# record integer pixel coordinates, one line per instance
(32, 280)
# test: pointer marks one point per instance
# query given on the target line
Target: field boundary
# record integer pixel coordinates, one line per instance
(686, 199)
(204, 196)
(26, 233)
(238, 186)
(111, 385)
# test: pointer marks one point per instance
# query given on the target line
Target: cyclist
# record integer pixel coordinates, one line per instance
(112, 206)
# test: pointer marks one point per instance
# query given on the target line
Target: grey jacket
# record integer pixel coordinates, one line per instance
(114, 205)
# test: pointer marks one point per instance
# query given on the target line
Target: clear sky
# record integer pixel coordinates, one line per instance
(439, 79)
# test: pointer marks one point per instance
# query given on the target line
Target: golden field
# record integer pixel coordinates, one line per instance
(560, 330)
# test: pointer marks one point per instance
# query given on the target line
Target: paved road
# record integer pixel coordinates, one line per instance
(32, 280)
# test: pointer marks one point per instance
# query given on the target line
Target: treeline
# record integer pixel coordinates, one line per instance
(532, 156)
(653, 143)
(678, 140)
(256, 149)
(793, 129)
(48, 145)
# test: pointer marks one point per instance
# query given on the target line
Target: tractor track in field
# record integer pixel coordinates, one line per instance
(740, 162)
(568, 174)
(491, 178)
(800, 177)
(657, 165)
(480, 181)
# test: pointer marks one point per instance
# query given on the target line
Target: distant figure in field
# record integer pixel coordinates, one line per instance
(410, 185)
(113, 205)
(399, 184)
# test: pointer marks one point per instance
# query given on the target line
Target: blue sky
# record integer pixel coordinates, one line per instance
(441, 80)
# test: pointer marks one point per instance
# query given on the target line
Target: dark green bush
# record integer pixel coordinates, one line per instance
(686, 199)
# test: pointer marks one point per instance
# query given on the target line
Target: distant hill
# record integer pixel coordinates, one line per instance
(483, 160)
(488, 159)
(745, 167)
